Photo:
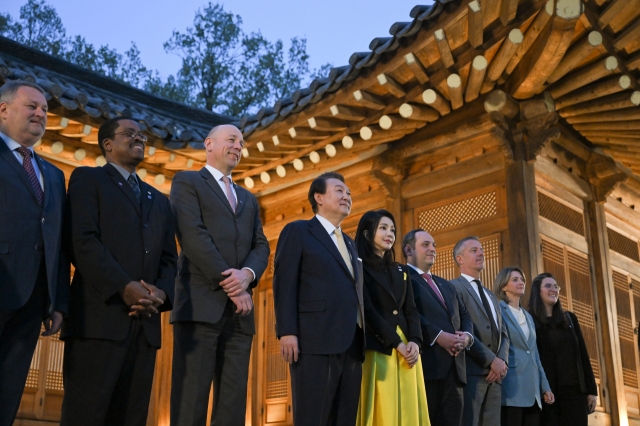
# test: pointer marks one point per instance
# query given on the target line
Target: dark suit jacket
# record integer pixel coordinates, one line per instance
(485, 348)
(388, 305)
(213, 239)
(434, 318)
(315, 296)
(116, 240)
(27, 230)
(549, 353)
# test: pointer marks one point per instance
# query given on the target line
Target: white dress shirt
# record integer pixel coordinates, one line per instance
(474, 286)
(13, 145)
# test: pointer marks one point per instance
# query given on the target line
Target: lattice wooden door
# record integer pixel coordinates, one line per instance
(446, 267)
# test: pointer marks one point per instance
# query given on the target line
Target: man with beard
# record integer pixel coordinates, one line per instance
(124, 251)
(34, 270)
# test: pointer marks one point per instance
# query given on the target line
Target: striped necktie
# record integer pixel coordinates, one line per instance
(31, 172)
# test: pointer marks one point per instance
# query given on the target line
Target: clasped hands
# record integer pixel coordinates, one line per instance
(498, 370)
(453, 343)
(142, 298)
(409, 352)
(235, 285)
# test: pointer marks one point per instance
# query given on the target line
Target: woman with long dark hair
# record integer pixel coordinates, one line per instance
(525, 386)
(392, 392)
(564, 356)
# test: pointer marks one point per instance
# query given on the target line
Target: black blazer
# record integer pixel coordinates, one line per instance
(315, 296)
(213, 239)
(434, 318)
(549, 353)
(29, 230)
(115, 239)
(388, 305)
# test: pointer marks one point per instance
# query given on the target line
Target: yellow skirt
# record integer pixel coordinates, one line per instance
(392, 394)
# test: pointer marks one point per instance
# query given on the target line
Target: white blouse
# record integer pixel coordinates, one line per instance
(522, 320)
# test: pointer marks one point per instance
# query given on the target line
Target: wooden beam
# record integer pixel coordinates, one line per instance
(499, 101)
(614, 9)
(508, 11)
(615, 140)
(348, 113)
(502, 58)
(326, 124)
(436, 101)
(368, 100)
(539, 23)
(602, 117)
(454, 83)
(391, 85)
(631, 134)
(306, 133)
(584, 76)
(371, 131)
(634, 61)
(539, 62)
(475, 24)
(416, 68)
(476, 76)
(632, 33)
(76, 130)
(56, 122)
(620, 125)
(418, 112)
(575, 55)
(597, 90)
(397, 122)
(443, 47)
(607, 103)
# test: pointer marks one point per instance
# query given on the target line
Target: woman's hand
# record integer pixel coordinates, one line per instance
(411, 353)
(592, 401)
(548, 397)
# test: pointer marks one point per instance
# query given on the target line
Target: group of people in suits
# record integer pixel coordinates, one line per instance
(120, 235)
(369, 341)
(373, 342)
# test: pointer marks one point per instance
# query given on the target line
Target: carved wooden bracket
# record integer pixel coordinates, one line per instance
(527, 138)
(388, 169)
(604, 175)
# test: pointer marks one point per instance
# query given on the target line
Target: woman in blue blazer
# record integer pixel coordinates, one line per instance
(525, 381)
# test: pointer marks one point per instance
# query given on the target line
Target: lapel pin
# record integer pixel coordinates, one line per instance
(149, 196)
(120, 183)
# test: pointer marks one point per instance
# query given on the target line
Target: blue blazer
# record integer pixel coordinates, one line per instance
(525, 381)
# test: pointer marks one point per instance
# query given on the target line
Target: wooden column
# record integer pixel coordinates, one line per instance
(161, 390)
(604, 176)
(388, 170)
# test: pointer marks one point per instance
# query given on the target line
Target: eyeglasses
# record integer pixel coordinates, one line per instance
(555, 287)
(132, 135)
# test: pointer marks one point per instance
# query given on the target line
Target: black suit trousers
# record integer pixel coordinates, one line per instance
(206, 353)
(445, 398)
(19, 331)
(326, 388)
(108, 382)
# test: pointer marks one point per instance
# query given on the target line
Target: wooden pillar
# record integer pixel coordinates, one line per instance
(604, 176)
(389, 172)
(161, 390)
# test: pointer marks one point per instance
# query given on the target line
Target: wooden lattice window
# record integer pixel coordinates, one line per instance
(446, 267)
(625, 329)
(277, 369)
(571, 270)
(623, 245)
(472, 209)
(561, 214)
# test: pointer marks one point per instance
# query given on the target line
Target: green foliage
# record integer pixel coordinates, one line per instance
(223, 69)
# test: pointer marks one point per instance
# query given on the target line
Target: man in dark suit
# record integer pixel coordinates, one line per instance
(446, 329)
(224, 253)
(317, 289)
(124, 251)
(486, 363)
(34, 271)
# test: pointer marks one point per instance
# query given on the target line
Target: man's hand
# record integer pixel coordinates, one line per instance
(592, 401)
(236, 281)
(243, 302)
(498, 370)
(548, 397)
(467, 338)
(289, 348)
(452, 343)
(52, 324)
(148, 305)
(140, 300)
(413, 351)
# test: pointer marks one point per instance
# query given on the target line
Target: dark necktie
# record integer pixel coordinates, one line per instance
(230, 197)
(133, 183)
(487, 309)
(435, 289)
(28, 167)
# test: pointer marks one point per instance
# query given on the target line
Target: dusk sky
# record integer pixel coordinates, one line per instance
(334, 28)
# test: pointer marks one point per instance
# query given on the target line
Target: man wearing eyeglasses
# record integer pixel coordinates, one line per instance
(123, 247)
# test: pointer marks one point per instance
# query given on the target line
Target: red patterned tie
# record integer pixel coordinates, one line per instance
(230, 197)
(28, 167)
(435, 289)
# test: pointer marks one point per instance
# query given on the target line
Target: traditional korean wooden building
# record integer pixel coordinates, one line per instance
(514, 120)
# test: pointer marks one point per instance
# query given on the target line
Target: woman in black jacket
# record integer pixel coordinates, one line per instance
(392, 392)
(564, 356)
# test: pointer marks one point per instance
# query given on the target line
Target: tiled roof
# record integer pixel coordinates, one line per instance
(378, 48)
(81, 91)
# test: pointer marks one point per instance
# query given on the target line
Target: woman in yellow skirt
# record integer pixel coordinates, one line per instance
(392, 392)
